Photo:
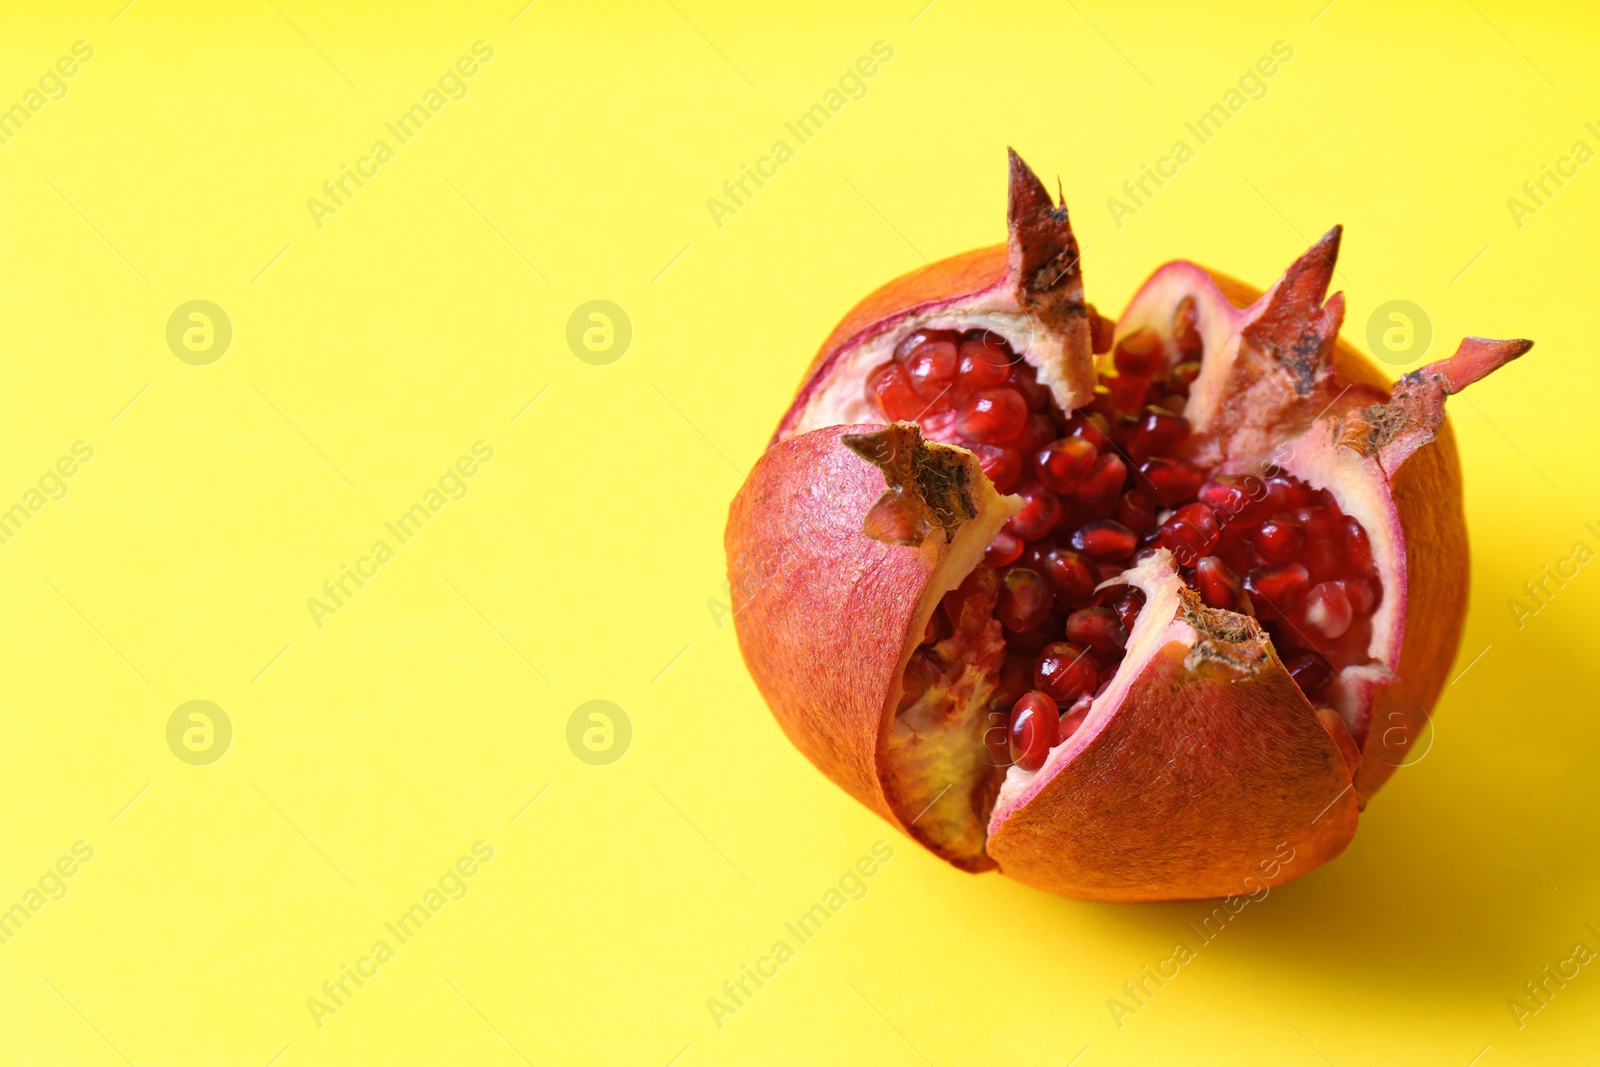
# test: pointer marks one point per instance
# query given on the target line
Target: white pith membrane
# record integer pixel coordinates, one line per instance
(939, 775)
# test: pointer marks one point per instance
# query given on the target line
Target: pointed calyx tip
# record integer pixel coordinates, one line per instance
(1028, 196)
(927, 487)
(1044, 252)
(1474, 358)
(1299, 325)
(1315, 267)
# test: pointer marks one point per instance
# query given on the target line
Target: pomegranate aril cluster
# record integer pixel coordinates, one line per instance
(1101, 488)
(1288, 555)
(968, 389)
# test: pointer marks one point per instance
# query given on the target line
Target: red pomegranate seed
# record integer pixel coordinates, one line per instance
(1031, 641)
(1157, 432)
(1073, 717)
(1102, 332)
(1127, 393)
(1181, 380)
(1074, 513)
(1285, 493)
(1278, 540)
(939, 422)
(1099, 629)
(993, 416)
(1231, 495)
(1139, 355)
(1135, 512)
(1034, 722)
(1363, 594)
(932, 367)
(914, 340)
(1128, 610)
(1065, 672)
(890, 388)
(1100, 404)
(1105, 539)
(1025, 380)
(1092, 426)
(1280, 585)
(1357, 549)
(1190, 533)
(1037, 432)
(1064, 464)
(1219, 585)
(1127, 601)
(1105, 572)
(1168, 481)
(1185, 332)
(938, 628)
(1320, 522)
(1234, 547)
(1034, 553)
(985, 362)
(1040, 510)
(1323, 559)
(1002, 465)
(1071, 575)
(971, 603)
(1310, 672)
(1003, 550)
(1025, 600)
(1015, 678)
(1103, 484)
(1326, 611)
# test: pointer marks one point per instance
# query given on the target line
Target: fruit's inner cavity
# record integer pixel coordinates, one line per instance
(1102, 487)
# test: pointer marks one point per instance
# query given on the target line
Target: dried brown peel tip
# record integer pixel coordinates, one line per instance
(1395, 430)
(1297, 330)
(927, 486)
(1226, 642)
(1284, 374)
(1050, 278)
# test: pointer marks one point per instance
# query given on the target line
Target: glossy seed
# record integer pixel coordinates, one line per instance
(1035, 721)
(1065, 671)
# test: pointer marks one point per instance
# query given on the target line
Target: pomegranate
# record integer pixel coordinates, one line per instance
(1117, 608)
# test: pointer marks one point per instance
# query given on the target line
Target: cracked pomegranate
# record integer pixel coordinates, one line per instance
(1113, 607)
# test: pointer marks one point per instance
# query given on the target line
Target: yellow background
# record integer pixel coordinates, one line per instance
(585, 562)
